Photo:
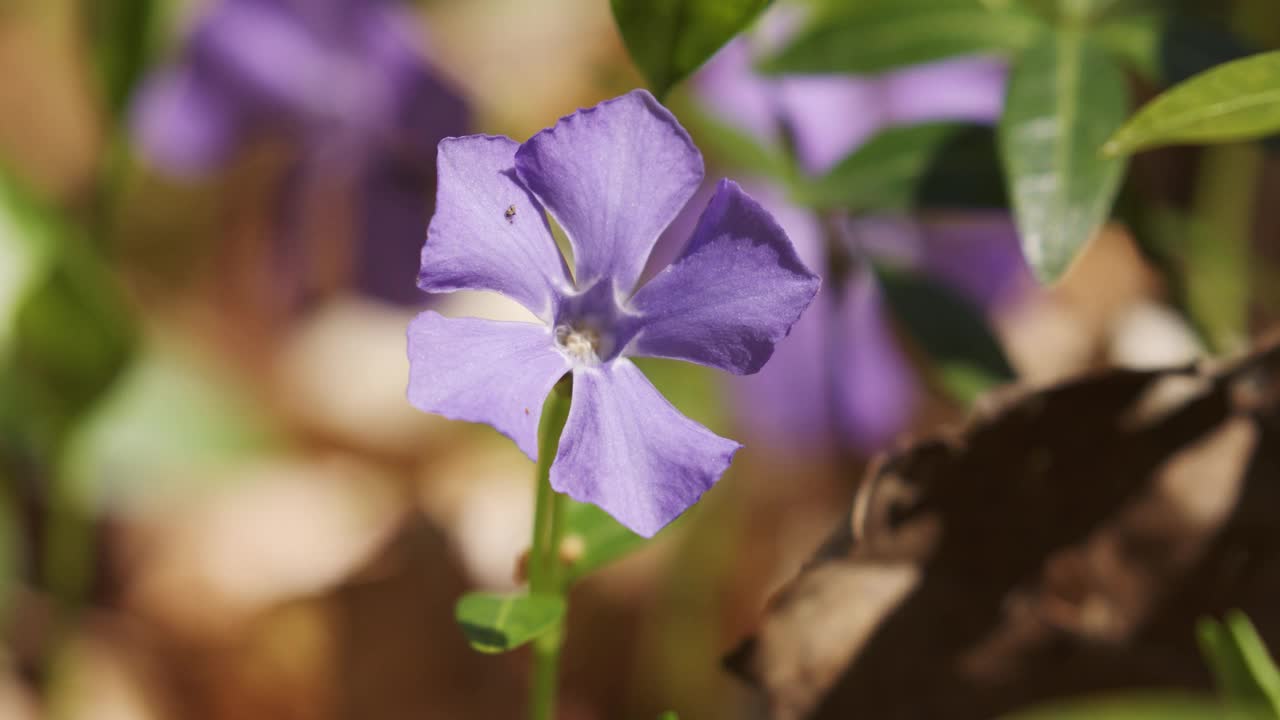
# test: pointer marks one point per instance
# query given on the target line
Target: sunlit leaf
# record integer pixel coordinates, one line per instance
(500, 623)
(1239, 100)
(949, 330)
(1245, 673)
(878, 35)
(1065, 97)
(595, 539)
(669, 39)
(927, 165)
(1146, 706)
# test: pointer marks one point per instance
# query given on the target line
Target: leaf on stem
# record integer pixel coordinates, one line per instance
(1239, 100)
(881, 35)
(1065, 97)
(669, 39)
(501, 623)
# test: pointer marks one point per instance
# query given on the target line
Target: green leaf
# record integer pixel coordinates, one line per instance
(949, 330)
(1239, 100)
(669, 39)
(1245, 672)
(1144, 706)
(880, 35)
(905, 167)
(1065, 98)
(65, 332)
(600, 538)
(122, 34)
(500, 623)
(669, 715)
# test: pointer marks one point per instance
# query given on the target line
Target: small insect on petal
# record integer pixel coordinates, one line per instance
(510, 214)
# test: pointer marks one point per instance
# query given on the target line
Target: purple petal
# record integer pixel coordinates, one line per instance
(423, 108)
(875, 384)
(979, 256)
(488, 232)
(830, 115)
(184, 125)
(387, 245)
(498, 373)
(729, 87)
(969, 88)
(788, 403)
(734, 293)
(627, 450)
(263, 50)
(614, 176)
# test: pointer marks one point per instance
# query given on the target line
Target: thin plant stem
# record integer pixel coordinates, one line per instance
(545, 575)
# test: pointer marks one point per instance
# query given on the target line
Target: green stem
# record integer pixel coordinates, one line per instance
(545, 575)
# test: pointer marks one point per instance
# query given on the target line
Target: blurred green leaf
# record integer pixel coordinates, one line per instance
(1239, 100)
(950, 331)
(729, 146)
(123, 40)
(1065, 97)
(65, 332)
(170, 422)
(879, 35)
(669, 39)
(1138, 706)
(669, 715)
(1244, 670)
(500, 623)
(931, 164)
(603, 539)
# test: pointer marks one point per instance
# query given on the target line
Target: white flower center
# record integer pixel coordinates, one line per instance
(582, 345)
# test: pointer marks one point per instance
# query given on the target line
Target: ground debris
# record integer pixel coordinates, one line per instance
(1064, 541)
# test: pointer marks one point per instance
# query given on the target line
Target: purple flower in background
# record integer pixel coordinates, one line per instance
(345, 81)
(613, 176)
(841, 374)
(828, 116)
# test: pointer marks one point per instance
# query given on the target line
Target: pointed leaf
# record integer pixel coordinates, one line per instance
(910, 166)
(669, 39)
(949, 330)
(1243, 668)
(595, 539)
(1065, 97)
(879, 35)
(1239, 100)
(500, 623)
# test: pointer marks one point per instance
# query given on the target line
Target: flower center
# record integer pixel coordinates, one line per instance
(581, 344)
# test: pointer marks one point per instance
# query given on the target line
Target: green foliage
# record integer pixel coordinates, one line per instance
(931, 164)
(501, 623)
(878, 35)
(950, 331)
(1239, 100)
(64, 330)
(123, 40)
(1065, 97)
(1245, 673)
(602, 539)
(669, 39)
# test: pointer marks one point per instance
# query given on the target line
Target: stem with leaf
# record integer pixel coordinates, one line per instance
(545, 574)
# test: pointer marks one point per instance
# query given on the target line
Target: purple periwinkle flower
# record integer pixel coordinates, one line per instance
(613, 177)
(342, 79)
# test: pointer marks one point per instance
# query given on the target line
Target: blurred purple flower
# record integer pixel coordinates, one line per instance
(841, 375)
(613, 176)
(345, 81)
(828, 116)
